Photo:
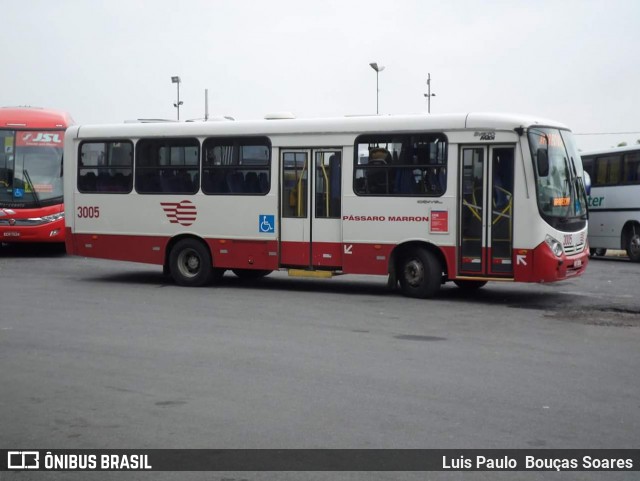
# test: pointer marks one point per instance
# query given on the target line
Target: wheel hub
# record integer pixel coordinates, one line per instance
(189, 263)
(634, 245)
(414, 272)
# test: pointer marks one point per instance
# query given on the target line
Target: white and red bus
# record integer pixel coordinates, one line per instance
(423, 199)
(31, 187)
(614, 201)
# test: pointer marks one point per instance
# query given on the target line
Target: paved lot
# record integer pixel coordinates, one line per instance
(98, 354)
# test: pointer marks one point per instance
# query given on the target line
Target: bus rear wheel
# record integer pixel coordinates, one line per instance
(633, 244)
(190, 263)
(420, 274)
(251, 274)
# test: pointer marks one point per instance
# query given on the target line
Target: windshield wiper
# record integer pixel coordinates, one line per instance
(33, 189)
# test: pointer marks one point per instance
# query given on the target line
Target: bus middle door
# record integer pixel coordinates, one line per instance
(485, 239)
(311, 201)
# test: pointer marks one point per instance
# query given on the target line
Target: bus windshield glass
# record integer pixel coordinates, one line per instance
(560, 189)
(30, 168)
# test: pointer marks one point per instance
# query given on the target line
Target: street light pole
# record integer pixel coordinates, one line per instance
(176, 80)
(429, 94)
(378, 69)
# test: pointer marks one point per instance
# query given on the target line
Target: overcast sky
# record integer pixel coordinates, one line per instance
(110, 61)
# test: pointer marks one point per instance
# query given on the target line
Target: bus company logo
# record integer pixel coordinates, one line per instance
(485, 135)
(183, 213)
(23, 460)
(39, 138)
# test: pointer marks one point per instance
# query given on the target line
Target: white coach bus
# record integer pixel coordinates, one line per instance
(614, 201)
(422, 199)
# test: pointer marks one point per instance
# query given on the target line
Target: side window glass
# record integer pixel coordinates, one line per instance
(167, 166)
(401, 165)
(236, 166)
(632, 168)
(295, 178)
(105, 167)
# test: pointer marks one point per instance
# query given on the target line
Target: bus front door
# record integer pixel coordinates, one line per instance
(310, 224)
(485, 239)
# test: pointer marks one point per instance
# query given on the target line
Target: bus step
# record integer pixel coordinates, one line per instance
(308, 273)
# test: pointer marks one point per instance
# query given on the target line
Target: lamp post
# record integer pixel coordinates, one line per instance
(429, 94)
(378, 69)
(176, 80)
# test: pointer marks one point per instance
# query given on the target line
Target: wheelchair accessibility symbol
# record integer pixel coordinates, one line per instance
(266, 223)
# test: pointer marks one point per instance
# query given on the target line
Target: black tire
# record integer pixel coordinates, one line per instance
(470, 285)
(251, 274)
(601, 252)
(419, 273)
(633, 244)
(190, 263)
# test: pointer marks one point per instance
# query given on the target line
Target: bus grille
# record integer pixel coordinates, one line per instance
(576, 245)
(23, 222)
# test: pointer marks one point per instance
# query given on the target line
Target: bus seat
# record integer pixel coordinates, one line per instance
(167, 181)
(405, 183)
(184, 181)
(87, 183)
(252, 183)
(208, 183)
(118, 183)
(263, 178)
(103, 183)
(235, 182)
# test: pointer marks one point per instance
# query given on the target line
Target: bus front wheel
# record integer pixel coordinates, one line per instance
(190, 263)
(420, 274)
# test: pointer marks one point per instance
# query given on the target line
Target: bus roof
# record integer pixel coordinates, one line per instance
(611, 150)
(33, 118)
(357, 124)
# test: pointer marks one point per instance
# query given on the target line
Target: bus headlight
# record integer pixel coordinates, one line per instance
(554, 245)
(53, 217)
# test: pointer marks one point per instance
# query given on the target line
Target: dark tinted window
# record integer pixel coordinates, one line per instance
(400, 165)
(105, 167)
(168, 166)
(236, 166)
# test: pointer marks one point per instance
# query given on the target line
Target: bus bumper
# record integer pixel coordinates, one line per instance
(48, 232)
(542, 265)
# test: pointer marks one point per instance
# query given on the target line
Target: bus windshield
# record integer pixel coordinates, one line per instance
(560, 190)
(30, 168)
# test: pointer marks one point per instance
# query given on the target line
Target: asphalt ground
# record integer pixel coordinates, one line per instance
(109, 355)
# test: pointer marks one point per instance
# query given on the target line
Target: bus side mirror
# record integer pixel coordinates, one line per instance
(587, 182)
(542, 158)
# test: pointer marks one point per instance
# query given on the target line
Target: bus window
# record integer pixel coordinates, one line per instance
(631, 173)
(295, 179)
(400, 165)
(106, 167)
(328, 188)
(235, 166)
(167, 166)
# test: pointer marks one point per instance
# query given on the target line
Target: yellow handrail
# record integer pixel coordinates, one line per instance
(326, 190)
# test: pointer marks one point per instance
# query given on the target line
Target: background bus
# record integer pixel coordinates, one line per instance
(614, 201)
(422, 199)
(31, 186)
